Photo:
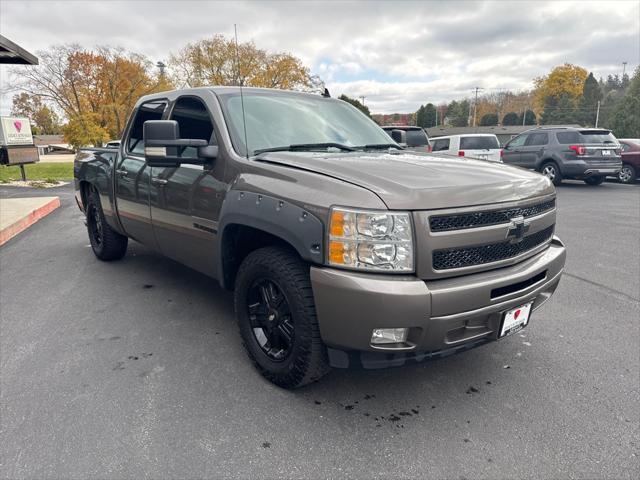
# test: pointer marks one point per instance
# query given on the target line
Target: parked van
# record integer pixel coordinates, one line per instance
(484, 146)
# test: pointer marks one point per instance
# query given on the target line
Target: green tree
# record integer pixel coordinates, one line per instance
(458, 113)
(560, 111)
(510, 118)
(591, 95)
(356, 103)
(530, 118)
(429, 115)
(625, 116)
(420, 117)
(489, 120)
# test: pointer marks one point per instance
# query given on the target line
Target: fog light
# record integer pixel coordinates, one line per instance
(389, 335)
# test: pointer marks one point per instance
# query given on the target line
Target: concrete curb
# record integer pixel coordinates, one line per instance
(29, 219)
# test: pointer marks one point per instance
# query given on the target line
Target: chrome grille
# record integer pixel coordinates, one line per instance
(470, 256)
(463, 221)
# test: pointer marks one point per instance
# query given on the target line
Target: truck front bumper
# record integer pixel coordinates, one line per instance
(442, 316)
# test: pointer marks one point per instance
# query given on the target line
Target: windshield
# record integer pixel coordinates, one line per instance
(479, 143)
(416, 138)
(595, 136)
(280, 119)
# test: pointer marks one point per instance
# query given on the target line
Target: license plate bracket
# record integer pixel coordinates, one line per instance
(515, 320)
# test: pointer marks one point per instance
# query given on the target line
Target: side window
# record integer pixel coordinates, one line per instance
(567, 138)
(625, 147)
(440, 145)
(518, 141)
(537, 139)
(147, 111)
(194, 121)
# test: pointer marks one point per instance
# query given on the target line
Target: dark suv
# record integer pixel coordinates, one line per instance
(587, 154)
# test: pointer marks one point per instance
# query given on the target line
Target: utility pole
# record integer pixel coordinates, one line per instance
(362, 97)
(161, 66)
(475, 105)
(624, 68)
(524, 115)
(597, 114)
(436, 116)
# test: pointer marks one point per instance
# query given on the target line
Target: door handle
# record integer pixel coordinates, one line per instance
(122, 173)
(159, 181)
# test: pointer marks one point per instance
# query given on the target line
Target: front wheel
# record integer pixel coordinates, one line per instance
(594, 180)
(552, 172)
(627, 174)
(106, 243)
(277, 318)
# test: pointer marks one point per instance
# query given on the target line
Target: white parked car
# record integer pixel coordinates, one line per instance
(484, 146)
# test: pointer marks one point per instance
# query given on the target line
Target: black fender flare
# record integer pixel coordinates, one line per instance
(285, 220)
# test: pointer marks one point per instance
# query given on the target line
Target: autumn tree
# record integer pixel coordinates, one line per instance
(565, 82)
(43, 118)
(94, 89)
(356, 103)
(215, 61)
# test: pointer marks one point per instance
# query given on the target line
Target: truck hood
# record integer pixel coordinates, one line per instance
(409, 181)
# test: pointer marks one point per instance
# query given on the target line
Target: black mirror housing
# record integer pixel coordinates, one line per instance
(399, 136)
(162, 145)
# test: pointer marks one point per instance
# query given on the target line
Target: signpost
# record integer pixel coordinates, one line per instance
(16, 143)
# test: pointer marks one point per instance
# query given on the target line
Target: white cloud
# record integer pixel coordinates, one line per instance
(397, 54)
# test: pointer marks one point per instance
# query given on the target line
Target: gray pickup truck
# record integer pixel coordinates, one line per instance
(342, 249)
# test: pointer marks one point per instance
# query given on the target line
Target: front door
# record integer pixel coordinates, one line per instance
(186, 201)
(534, 149)
(512, 152)
(133, 177)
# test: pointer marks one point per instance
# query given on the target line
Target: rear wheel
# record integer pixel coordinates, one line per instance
(628, 174)
(277, 318)
(107, 244)
(594, 180)
(552, 172)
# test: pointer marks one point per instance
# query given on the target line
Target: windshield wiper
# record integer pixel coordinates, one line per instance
(380, 146)
(305, 146)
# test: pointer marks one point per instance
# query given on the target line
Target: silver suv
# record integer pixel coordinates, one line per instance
(588, 154)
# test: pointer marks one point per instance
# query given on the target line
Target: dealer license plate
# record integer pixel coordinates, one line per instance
(515, 320)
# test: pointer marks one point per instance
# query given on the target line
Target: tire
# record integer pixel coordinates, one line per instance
(594, 180)
(277, 318)
(106, 243)
(552, 172)
(628, 174)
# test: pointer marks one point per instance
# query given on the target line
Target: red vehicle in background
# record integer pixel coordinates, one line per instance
(630, 160)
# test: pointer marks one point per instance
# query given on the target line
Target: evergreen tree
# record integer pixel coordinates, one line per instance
(591, 95)
(625, 116)
(529, 119)
(560, 111)
(510, 118)
(429, 115)
(489, 120)
(420, 117)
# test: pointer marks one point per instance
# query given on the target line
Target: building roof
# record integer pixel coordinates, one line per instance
(497, 130)
(43, 140)
(15, 54)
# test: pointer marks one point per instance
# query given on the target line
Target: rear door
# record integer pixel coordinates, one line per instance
(533, 149)
(483, 147)
(512, 151)
(133, 175)
(186, 201)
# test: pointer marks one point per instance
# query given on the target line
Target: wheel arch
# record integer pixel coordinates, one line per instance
(249, 221)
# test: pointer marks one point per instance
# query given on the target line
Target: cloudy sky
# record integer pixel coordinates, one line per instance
(397, 54)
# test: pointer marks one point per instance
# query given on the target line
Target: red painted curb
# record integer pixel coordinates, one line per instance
(12, 230)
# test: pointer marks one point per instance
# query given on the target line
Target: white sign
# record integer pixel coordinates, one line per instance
(15, 131)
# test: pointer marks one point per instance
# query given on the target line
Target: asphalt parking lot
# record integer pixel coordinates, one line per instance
(134, 369)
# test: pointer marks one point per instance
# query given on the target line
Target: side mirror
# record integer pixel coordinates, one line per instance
(162, 145)
(399, 136)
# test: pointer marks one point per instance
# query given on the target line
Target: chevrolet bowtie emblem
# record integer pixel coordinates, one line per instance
(517, 229)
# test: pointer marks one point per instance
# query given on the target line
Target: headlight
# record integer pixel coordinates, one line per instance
(370, 240)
